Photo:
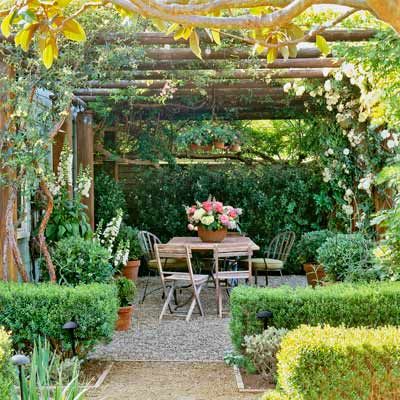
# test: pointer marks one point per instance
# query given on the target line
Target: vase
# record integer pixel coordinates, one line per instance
(212, 236)
(131, 270)
(315, 273)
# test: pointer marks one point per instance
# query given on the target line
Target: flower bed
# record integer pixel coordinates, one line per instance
(369, 305)
(6, 371)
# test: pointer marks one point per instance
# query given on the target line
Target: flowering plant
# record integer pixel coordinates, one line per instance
(213, 215)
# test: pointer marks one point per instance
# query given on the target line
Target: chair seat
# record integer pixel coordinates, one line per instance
(184, 276)
(231, 275)
(259, 264)
(174, 264)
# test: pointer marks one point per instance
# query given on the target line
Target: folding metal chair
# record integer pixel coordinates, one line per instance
(230, 255)
(170, 281)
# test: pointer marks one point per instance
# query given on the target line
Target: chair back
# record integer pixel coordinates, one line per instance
(147, 241)
(281, 245)
(232, 252)
(165, 251)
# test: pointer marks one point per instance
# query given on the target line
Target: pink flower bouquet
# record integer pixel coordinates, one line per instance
(213, 216)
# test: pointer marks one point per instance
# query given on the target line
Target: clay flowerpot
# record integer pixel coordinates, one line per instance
(195, 147)
(131, 270)
(212, 236)
(124, 320)
(235, 148)
(219, 145)
(315, 273)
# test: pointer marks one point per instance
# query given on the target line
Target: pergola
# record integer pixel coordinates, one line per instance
(236, 84)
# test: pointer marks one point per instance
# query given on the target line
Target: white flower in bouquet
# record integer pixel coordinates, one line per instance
(198, 214)
(207, 220)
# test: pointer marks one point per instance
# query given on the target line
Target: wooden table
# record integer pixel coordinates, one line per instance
(195, 243)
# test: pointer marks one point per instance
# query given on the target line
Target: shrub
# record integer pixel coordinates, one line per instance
(129, 233)
(346, 257)
(262, 349)
(80, 261)
(309, 244)
(29, 311)
(108, 197)
(126, 291)
(6, 369)
(357, 304)
(274, 198)
(358, 363)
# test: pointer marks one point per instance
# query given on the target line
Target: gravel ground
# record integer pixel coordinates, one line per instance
(174, 339)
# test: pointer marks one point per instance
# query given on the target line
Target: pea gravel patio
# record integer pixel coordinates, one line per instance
(174, 339)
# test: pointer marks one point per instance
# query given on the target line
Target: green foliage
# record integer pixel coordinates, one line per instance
(81, 261)
(48, 377)
(358, 363)
(68, 219)
(108, 197)
(273, 198)
(262, 350)
(309, 243)
(357, 304)
(346, 257)
(131, 234)
(126, 291)
(6, 369)
(30, 311)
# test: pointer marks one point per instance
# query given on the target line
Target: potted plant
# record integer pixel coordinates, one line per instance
(126, 295)
(130, 269)
(307, 250)
(196, 137)
(212, 219)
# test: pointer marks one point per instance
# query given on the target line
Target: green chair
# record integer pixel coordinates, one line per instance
(275, 257)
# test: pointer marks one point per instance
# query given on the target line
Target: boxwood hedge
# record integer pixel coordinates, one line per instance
(29, 310)
(6, 369)
(370, 305)
(358, 364)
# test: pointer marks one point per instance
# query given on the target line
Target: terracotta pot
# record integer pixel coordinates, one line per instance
(124, 320)
(196, 147)
(219, 145)
(235, 148)
(131, 270)
(212, 236)
(315, 273)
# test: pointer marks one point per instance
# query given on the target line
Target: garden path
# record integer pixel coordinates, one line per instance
(174, 339)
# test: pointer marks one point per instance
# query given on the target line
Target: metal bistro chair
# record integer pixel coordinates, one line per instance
(275, 257)
(147, 242)
(171, 281)
(230, 256)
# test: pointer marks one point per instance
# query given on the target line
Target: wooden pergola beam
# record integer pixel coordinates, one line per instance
(258, 63)
(157, 38)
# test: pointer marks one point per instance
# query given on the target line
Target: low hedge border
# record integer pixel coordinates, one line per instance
(369, 305)
(29, 310)
(6, 370)
(358, 364)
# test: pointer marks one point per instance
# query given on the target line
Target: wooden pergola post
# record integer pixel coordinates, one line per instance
(85, 149)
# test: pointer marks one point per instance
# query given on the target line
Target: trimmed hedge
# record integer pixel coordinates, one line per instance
(370, 305)
(30, 310)
(6, 369)
(358, 364)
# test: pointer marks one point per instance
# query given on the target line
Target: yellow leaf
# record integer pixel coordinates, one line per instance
(24, 37)
(62, 3)
(322, 44)
(216, 36)
(48, 56)
(272, 55)
(172, 28)
(72, 30)
(294, 31)
(258, 48)
(195, 44)
(187, 32)
(159, 24)
(179, 33)
(6, 24)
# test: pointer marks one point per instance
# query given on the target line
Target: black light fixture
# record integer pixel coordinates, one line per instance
(20, 360)
(70, 327)
(264, 316)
